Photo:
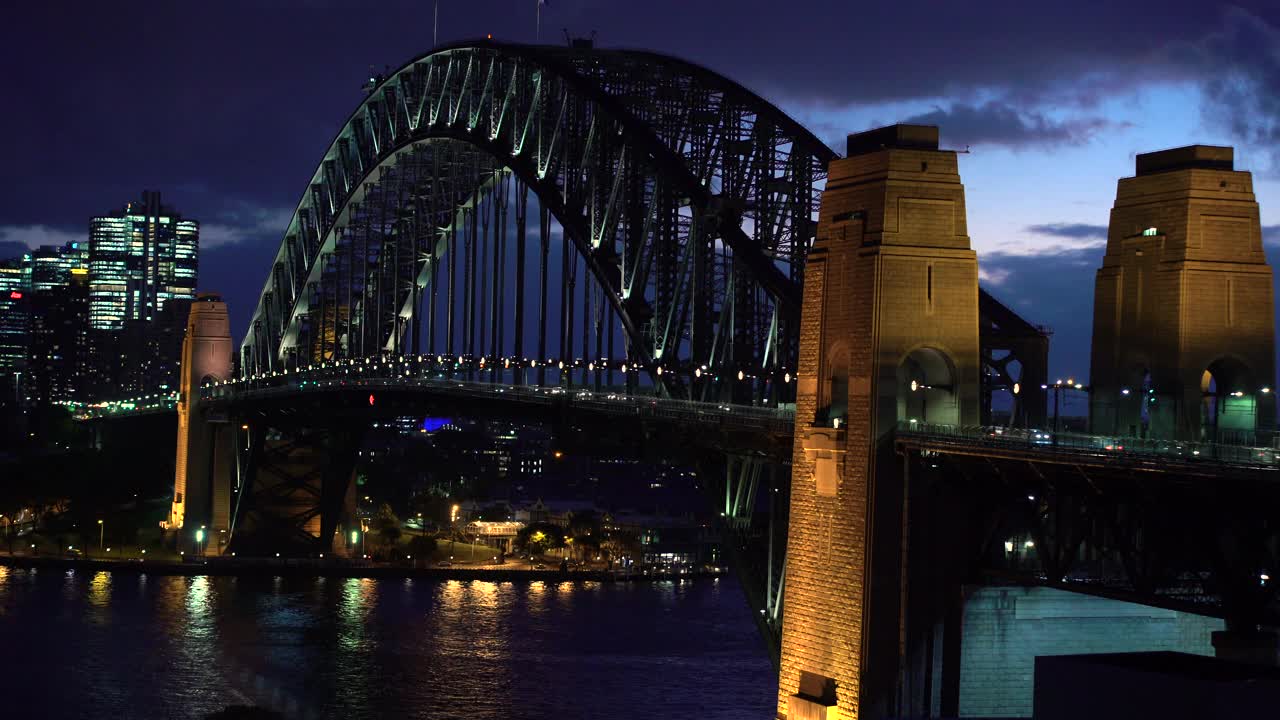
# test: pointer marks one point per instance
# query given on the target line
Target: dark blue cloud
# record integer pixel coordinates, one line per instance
(1074, 231)
(1000, 123)
(11, 249)
(1241, 80)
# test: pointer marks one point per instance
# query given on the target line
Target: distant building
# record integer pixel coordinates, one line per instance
(500, 535)
(140, 259)
(51, 267)
(101, 319)
(142, 278)
(151, 350)
(557, 512)
(15, 319)
(530, 466)
(668, 540)
(59, 340)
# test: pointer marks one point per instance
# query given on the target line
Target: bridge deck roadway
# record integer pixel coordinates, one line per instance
(762, 430)
(761, 419)
(776, 424)
(1184, 458)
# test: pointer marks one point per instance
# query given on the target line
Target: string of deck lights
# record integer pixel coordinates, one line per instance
(464, 363)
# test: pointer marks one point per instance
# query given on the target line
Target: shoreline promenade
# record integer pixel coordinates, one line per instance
(306, 567)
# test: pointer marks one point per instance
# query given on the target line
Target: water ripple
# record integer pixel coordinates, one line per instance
(126, 646)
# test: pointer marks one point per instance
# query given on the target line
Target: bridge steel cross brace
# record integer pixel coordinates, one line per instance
(754, 542)
(295, 487)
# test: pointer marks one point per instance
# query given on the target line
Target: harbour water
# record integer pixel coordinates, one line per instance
(92, 644)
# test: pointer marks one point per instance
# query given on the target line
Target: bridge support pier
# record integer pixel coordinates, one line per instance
(888, 334)
(200, 513)
(298, 493)
(940, 527)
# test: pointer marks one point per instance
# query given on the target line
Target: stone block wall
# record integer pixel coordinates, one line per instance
(1006, 628)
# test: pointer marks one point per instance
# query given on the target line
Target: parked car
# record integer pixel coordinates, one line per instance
(444, 564)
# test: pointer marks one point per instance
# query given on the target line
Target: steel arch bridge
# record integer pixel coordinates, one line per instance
(689, 202)
(413, 266)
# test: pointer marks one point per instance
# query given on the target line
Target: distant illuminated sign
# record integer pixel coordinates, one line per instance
(15, 295)
(433, 424)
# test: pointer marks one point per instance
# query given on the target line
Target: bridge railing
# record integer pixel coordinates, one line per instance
(1099, 445)
(396, 376)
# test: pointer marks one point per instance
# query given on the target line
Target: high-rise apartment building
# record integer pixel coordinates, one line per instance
(140, 259)
(15, 316)
(149, 352)
(50, 267)
(59, 349)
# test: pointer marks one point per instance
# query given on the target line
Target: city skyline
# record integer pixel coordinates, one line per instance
(1065, 117)
(102, 317)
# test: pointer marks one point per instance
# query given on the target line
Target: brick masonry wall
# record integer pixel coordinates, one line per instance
(1006, 628)
(891, 273)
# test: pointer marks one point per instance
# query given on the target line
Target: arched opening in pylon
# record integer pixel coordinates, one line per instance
(1228, 401)
(833, 391)
(926, 388)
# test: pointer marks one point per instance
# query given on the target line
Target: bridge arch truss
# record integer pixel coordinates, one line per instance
(688, 202)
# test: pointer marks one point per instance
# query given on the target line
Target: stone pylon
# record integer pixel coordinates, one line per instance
(201, 509)
(1183, 312)
(888, 334)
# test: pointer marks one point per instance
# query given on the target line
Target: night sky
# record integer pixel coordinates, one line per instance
(226, 107)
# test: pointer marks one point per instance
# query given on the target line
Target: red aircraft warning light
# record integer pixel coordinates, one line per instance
(370, 398)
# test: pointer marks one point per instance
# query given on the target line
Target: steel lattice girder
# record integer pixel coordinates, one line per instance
(691, 201)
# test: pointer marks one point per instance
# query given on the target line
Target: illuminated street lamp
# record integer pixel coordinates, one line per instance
(422, 532)
(100, 531)
(1059, 387)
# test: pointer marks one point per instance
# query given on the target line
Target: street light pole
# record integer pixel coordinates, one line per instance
(1057, 393)
(1058, 388)
(100, 533)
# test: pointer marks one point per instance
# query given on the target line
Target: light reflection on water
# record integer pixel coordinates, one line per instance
(158, 646)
